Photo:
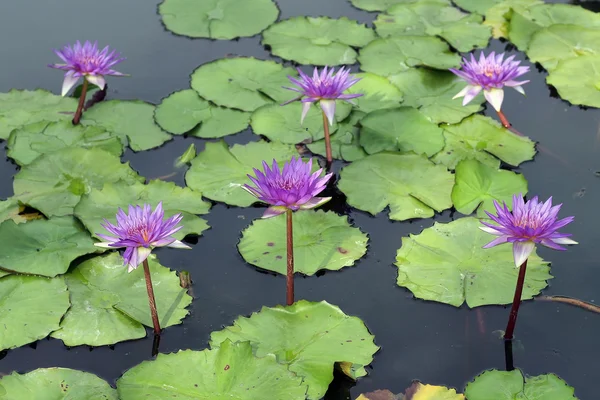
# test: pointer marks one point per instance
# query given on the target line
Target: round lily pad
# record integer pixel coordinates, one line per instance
(282, 123)
(382, 5)
(322, 240)
(344, 142)
(23, 107)
(219, 171)
(309, 338)
(478, 185)
(578, 80)
(31, 308)
(217, 19)
(54, 183)
(508, 385)
(481, 138)
(29, 142)
(109, 305)
(56, 383)
(132, 121)
(228, 372)
(377, 93)
(186, 112)
(463, 31)
(43, 247)
(392, 55)
(405, 129)
(244, 83)
(448, 264)
(432, 91)
(411, 185)
(100, 204)
(317, 41)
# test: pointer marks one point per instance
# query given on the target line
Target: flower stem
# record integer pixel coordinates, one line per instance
(512, 319)
(508, 355)
(503, 119)
(151, 299)
(327, 139)
(79, 111)
(290, 259)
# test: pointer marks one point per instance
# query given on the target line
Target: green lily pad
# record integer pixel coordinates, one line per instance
(476, 6)
(132, 121)
(188, 155)
(31, 308)
(217, 19)
(382, 5)
(244, 83)
(558, 42)
(228, 372)
(411, 185)
(219, 171)
(282, 123)
(585, 88)
(478, 185)
(109, 305)
(432, 91)
(498, 16)
(23, 107)
(522, 27)
(322, 240)
(183, 111)
(483, 139)
(100, 204)
(317, 41)
(377, 93)
(307, 337)
(405, 129)
(43, 247)
(53, 183)
(508, 385)
(345, 143)
(55, 383)
(448, 264)
(29, 142)
(463, 31)
(392, 55)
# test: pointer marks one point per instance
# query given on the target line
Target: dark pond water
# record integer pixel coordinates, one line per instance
(431, 342)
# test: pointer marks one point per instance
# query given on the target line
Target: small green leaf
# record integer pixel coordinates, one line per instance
(55, 383)
(578, 80)
(31, 308)
(322, 240)
(307, 337)
(405, 129)
(377, 93)
(43, 247)
(109, 305)
(183, 111)
(228, 372)
(186, 157)
(244, 83)
(217, 19)
(392, 55)
(344, 142)
(219, 171)
(448, 264)
(478, 185)
(411, 185)
(317, 41)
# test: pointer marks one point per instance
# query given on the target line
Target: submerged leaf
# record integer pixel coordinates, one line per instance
(109, 305)
(448, 264)
(307, 337)
(188, 155)
(583, 90)
(228, 372)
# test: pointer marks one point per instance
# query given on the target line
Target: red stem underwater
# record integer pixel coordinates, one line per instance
(512, 319)
(327, 139)
(151, 299)
(290, 260)
(79, 111)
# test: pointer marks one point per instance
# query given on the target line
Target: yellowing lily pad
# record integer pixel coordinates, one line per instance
(417, 391)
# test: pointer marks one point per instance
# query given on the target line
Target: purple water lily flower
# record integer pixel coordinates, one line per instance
(86, 61)
(294, 187)
(529, 223)
(490, 74)
(140, 232)
(324, 88)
